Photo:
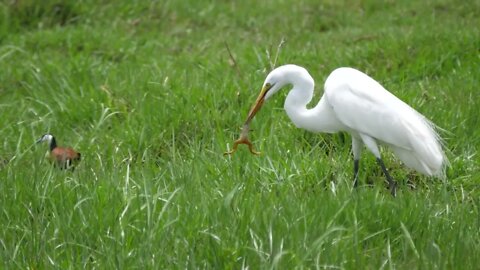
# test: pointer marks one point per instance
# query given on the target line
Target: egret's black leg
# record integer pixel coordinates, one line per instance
(392, 185)
(355, 172)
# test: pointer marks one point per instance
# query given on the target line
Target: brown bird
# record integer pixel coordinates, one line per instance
(62, 157)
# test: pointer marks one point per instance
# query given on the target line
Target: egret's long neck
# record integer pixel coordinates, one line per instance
(318, 119)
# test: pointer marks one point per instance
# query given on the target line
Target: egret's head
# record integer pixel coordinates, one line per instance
(45, 138)
(276, 80)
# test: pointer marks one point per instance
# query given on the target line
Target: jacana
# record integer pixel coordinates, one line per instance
(62, 157)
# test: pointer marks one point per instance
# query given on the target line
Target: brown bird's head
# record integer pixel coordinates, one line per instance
(52, 143)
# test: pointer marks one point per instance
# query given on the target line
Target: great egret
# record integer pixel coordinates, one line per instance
(356, 103)
(63, 157)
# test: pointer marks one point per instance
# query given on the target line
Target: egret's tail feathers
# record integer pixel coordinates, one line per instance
(412, 160)
(426, 154)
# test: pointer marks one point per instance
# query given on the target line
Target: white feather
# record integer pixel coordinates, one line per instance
(355, 103)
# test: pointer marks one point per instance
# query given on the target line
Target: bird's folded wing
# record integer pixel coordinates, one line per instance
(368, 108)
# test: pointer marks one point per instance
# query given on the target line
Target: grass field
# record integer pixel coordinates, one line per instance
(152, 94)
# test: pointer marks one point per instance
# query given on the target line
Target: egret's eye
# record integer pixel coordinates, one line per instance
(268, 85)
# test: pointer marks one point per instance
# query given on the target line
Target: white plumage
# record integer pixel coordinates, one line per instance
(355, 103)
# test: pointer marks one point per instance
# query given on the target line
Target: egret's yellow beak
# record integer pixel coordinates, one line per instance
(246, 127)
(258, 103)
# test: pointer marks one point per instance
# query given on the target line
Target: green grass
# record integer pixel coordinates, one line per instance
(150, 96)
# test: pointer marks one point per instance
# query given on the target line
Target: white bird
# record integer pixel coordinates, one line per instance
(355, 103)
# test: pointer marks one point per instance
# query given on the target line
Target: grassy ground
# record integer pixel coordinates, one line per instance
(151, 97)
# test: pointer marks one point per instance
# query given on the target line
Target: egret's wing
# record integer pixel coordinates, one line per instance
(364, 106)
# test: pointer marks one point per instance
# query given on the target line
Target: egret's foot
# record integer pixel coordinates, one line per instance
(392, 185)
(355, 172)
(355, 182)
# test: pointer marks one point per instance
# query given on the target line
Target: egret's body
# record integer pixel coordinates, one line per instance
(355, 103)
